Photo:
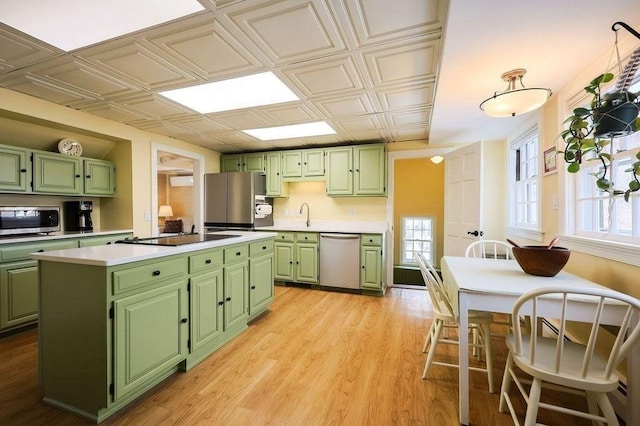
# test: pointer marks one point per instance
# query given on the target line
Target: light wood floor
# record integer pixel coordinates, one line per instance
(317, 358)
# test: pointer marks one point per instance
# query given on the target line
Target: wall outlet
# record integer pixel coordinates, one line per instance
(147, 215)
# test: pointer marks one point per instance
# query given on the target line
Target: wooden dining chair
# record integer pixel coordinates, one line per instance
(445, 317)
(570, 365)
(491, 249)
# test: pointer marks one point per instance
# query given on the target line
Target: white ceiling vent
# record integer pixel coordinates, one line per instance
(181, 180)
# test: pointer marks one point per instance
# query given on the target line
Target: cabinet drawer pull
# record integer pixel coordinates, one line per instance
(155, 273)
(40, 251)
(264, 247)
(238, 253)
(208, 261)
(253, 287)
(306, 238)
(370, 240)
(228, 299)
(184, 320)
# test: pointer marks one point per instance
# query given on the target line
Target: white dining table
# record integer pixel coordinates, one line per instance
(494, 285)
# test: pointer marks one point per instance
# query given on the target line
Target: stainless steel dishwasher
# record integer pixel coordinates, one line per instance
(340, 260)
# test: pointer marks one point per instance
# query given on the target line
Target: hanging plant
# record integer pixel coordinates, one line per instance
(593, 129)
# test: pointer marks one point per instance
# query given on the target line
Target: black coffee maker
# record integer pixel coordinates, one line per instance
(77, 216)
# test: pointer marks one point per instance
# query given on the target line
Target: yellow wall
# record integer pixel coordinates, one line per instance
(418, 191)
(325, 208)
(131, 152)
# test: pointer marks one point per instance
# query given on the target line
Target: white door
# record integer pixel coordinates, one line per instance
(462, 199)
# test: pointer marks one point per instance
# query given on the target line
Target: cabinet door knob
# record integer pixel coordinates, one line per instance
(358, 170)
(184, 320)
(23, 170)
(40, 251)
(77, 176)
(253, 287)
(362, 266)
(291, 262)
(264, 247)
(350, 171)
(238, 253)
(155, 273)
(88, 176)
(208, 261)
(220, 303)
(228, 299)
(297, 263)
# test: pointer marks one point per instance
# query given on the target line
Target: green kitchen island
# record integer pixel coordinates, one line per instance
(116, 320)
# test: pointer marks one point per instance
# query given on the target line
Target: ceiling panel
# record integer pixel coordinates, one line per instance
(360, 65)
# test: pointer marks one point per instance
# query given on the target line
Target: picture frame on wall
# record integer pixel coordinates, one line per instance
(550, 161)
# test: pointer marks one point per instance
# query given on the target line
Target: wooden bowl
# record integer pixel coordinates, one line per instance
(540, 260)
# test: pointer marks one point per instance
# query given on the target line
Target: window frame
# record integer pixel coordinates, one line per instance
(594, 244)
(514, 228)
(432, 255)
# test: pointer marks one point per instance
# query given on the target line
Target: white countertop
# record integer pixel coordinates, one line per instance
(26, 238)
(118, 254)
(328, 226)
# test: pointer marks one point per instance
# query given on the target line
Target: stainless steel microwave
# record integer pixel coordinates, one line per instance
(29, 220)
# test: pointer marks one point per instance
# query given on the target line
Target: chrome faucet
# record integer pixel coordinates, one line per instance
(301, 207)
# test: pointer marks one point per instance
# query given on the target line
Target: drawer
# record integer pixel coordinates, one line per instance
(260, 248)
(371, 240)
(102, 240)
(236, 254)
(11, 252)
(307, 237)
(286, 236)
(129, 279)
(206, 261)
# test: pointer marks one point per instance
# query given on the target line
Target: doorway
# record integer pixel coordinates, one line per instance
(177, 185)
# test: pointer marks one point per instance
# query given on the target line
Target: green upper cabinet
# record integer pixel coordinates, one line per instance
(312, 162)
(356, 171)
(339, 171)
(99, 178)
(275, 186)
(15, 169)
(243, 163)
(231, 163)
(57, 174)
(292, 164)
(306, 164)
(370, 170)
(254, 163)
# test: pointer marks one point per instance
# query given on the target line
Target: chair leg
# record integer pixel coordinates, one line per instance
(434, 343)
(592, 403)
(607, 409)
(428, 340)
(506, 384)
(486, 337)
(533, 403)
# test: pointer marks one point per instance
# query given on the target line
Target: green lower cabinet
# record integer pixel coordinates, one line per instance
(207, 311)
(371, 267)
(151, 333)
(283, 255)
(260, 285)
(236, 297)
(306, 263)
(18, 293)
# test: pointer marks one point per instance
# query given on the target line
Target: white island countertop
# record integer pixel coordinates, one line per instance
(118, 254)
(353, 227)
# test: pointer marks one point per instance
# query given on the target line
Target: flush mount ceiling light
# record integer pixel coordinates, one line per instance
(243, 92)
(71, 24)
(514, 101)
(318, 128)
(437, 159)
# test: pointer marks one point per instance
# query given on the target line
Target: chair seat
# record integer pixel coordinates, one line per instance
(571, 364)
(475, 317)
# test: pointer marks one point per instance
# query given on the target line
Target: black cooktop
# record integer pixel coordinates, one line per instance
(176, 240)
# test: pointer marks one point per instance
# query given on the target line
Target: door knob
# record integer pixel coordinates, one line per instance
(476, 233)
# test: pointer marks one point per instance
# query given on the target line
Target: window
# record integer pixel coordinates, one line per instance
(598, 215)
(418, 236)
(524, 181)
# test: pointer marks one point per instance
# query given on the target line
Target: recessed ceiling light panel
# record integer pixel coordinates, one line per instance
(243, 92)
(293, 131)
(71, 24)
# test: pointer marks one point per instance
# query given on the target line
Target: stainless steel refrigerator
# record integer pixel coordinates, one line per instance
(236, 200)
